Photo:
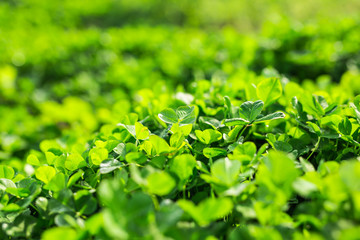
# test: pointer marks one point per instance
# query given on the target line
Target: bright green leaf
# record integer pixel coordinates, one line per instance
(160, 183)
(250, 110)
(74, 161)
(141, 131)
(214, 152)
(97, 155)
(183, 166)
(226, 171)
(159, 144)
(168, 116)
(271, 116)
(6, 172)
(33, 160)
(269, 90)
(45, 173)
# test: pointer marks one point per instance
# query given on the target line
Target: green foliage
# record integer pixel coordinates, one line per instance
(170, 132)
(269, 90)
(183, 166)
(45, 173)
(194, 174)
(219, 208)
(250, 113)
(160, 183)
(183, 115)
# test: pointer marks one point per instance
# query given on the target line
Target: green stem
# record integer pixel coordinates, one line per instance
(212, 192)
(316, 147)
(336, 144)
(155, 201)
(35, 208)
(243, 130)
(184, 191)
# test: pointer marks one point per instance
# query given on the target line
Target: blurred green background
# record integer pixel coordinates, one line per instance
(243, 15)
(67, 67)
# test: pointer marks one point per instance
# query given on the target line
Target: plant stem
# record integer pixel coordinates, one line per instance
(243, 130)
(184, 191)
(155, 201)
(316, 147)
(212, 192)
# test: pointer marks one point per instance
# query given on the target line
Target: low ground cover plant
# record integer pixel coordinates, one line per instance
(175, 132)
(275, 167)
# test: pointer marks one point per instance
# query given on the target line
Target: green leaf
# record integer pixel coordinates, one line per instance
(226, 171)
(120, 149)
(271, 116)
(202, 167)
(250, 110)
(64, 220)
(97, 155)
(311, 105)
(158, 161)
(208, 136)
(6, 183)
(236, 121)
(45, 173)
(129, 128)
(184, 111)
(233, 134)
(85, 203)
(177, 139)
(345, 126)
(18, 192)
(186, 115)
(304, 187)
(6, 172)
(247, 148)
(57, 183)
(46, 145)
(130, 119)
(183, 166)
(349, 173)
(75, 177)
(33, 160)
(168, 115)
(227, 105)
(244, 153)
(299, 108)
(136, 157)
(214, 152)
(184, 129)
(159, 144)
(141, 131)
(74, 161)
(11, 207)
(314, 128)
(50, 157)
(279, 169)
(108, 166)
(357, 101)
(160, 183)
(269, 90)
(94, 223)
(59, 233)
(283, 146)
(208, 210)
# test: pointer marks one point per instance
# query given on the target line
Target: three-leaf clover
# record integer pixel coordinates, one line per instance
(250, 113)
(183, 115)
